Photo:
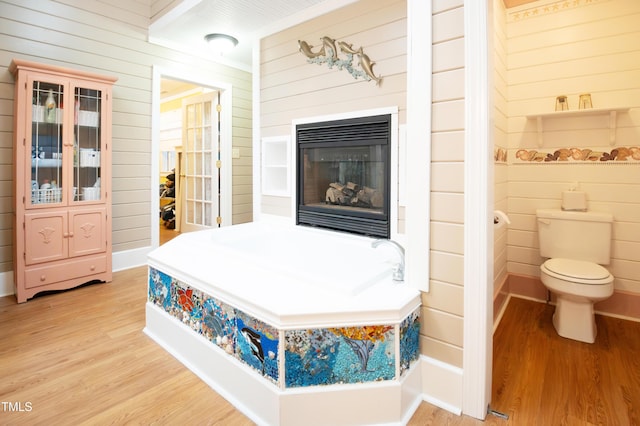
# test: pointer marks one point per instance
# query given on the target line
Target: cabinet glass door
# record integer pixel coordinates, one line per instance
(47, 143)
(86, 144)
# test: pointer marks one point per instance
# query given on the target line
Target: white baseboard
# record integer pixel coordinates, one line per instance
(441, 384)
(6, 284)
(127, 259)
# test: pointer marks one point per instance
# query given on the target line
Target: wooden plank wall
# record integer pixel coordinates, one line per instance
(500, 116)
(109, 38)
(443, 309)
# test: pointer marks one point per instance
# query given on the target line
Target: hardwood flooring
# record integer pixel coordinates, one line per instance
(80, 357)
(540, 378)
(167, 234)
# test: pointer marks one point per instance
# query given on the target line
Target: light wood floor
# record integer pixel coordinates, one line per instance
(80, 357)
(540, 378)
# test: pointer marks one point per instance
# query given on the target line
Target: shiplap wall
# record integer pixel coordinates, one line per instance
(443, 308)
(110, 37)
(500, 114)
(584, 47)
(293, 89)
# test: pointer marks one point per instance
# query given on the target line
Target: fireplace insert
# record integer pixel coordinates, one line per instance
(343, 175)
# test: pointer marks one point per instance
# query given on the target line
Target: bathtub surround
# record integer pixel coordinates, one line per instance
(276, 335)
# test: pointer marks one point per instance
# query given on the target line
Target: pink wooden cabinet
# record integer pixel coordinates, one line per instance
(62, 163)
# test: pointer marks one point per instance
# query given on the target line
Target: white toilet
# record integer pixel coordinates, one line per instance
(576, 243)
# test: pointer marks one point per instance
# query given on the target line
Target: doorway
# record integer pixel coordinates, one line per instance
(203, 190)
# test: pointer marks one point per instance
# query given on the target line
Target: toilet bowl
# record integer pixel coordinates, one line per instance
(577, 285)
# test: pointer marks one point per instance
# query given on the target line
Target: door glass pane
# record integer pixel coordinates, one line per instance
(199, 193)
(189, 188)
(46, 143)
(87, 145)
(198, 164)
(208, 190)
(208, 214)
(198, 213)
(191, 116)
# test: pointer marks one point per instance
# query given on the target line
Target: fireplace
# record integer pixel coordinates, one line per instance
(343, 175)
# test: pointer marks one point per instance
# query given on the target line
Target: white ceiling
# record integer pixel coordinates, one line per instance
(185, 26)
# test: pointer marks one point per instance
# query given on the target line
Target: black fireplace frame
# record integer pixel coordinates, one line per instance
(360, 131)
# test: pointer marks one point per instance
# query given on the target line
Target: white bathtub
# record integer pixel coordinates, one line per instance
(289, 279)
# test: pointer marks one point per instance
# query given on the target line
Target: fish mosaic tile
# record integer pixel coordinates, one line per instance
(187, 305)
(257, 345)
(339, 355)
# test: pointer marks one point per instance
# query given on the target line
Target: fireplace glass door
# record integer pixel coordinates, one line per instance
(343, 176)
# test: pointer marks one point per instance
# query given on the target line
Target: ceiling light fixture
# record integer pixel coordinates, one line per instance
(221, 43)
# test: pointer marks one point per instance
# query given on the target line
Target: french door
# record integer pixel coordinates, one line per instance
(200, 169)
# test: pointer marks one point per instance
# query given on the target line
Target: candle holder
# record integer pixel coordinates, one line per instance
(562, 104)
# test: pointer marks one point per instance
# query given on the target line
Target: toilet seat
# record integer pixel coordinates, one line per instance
(577, 271)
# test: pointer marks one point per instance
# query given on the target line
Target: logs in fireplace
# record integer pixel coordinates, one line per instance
(352, 195)
(343, 175)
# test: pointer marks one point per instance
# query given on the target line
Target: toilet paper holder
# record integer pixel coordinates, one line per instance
(498, 216)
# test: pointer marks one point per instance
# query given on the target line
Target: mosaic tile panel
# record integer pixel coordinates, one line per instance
(409, 340)
(219, 323)
(187, 305)
(339, 355)
(250, 340)
(257, 345)
(160, 289)
(313, 357)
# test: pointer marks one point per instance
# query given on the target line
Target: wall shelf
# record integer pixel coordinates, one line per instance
(276, 166)
(611, 112)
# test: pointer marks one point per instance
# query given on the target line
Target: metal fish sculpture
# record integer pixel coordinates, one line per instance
(330, 43)
(348, 48)
(367, 66)
(305, 48)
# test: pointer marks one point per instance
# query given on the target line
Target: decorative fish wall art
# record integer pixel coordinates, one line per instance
(329, 53)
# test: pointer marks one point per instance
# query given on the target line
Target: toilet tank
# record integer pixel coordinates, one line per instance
(575, 235)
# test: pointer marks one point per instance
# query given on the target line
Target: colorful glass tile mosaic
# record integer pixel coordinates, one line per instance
(409, 340)
(219, 323)
(160, 289)
(313, 357)
(257, 345)
(339, 355)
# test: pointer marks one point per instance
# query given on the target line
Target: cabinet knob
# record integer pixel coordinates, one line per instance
(92, 268)
(70, 234)
(43, 277)
(65, 235)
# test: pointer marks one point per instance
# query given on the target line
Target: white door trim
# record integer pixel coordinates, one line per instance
(201, 79)
(478, 235)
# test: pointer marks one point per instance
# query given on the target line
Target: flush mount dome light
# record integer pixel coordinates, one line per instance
(221, 43)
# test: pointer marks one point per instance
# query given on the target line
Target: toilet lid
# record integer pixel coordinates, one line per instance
(577, 269)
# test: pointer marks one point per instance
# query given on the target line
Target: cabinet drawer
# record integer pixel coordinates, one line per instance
(43, 275)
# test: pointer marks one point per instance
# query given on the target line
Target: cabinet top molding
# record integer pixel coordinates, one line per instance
(21, 64)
